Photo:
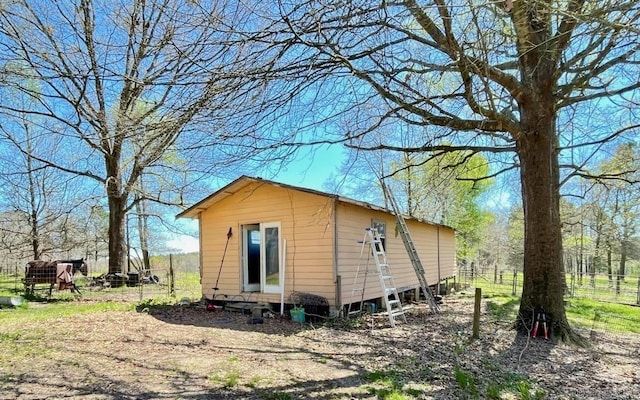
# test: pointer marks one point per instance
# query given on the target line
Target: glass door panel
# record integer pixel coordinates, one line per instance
(270, 257)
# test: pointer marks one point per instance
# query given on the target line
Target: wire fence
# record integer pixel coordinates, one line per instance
(622, 289)
(179, 278)
(594, 323)
(606, 324)
(169, 277)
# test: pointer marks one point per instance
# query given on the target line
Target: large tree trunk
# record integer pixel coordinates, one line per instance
(537, 147)
(143, 233)
(117, 243)
(117, 214)
(544, 279)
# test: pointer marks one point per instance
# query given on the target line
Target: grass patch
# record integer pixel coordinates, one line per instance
(613, 317)
(254, 382)
(507, 384)
(23, 345)
(466, 381)
(586, 308)
(31, 313)
(389, 378)
(526, 392)
(277, 396)
(503, 308)
(229, 380)
(388, 385)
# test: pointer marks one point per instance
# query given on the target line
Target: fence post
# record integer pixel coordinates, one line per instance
(141, 289)
(476, 314)
(515, 282)
(172, 288)
(638, 292)
(573, 284)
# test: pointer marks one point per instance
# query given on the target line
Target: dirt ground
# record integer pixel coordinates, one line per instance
(186, 352)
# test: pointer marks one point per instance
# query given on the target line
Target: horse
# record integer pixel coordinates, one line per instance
(58, 272)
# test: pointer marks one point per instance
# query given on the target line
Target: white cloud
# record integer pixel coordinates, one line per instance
(184, 243)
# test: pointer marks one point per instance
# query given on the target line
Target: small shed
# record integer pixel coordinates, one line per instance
(268, 242)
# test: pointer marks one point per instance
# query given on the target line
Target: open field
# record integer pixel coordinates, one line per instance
(93, 350)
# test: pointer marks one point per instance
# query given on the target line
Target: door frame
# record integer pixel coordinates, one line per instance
(264, 286)
(246, 285)
(261, 286)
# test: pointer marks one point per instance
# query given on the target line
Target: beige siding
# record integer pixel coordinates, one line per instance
(306, 224)
(352, 221)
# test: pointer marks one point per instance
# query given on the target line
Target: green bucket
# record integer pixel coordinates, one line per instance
(297, 314)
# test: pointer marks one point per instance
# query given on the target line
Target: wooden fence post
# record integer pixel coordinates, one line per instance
(172, 288)
(476, 314)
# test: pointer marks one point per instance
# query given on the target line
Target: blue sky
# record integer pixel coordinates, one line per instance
(311, 168)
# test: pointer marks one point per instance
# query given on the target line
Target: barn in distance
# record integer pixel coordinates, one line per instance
(263, 242)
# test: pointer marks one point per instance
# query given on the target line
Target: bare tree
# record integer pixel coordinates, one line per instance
(623, 203)
(122, 83)
(38, 200)
(495, 77)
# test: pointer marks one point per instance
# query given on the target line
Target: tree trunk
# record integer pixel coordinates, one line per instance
(33, 216)
(609, 266)
(583, 265)
(117, 245)
(143, 233)
(544, 280)
(623, 260)
(622, 265)
(596, 254)
(117, 213)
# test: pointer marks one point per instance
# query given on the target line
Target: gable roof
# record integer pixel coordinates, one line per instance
(244, 180)
(240, 183)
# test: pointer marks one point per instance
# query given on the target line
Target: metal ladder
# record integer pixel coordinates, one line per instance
(411, 249)
(389, 290)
